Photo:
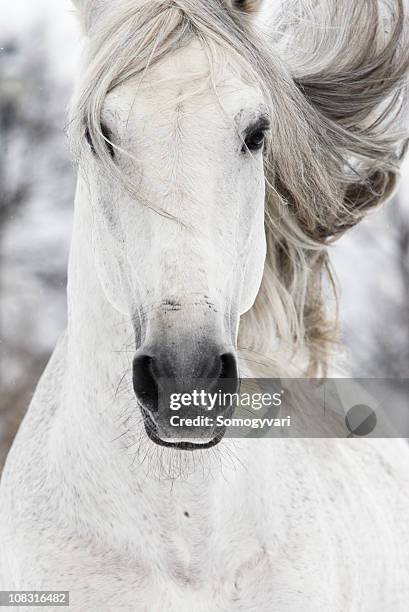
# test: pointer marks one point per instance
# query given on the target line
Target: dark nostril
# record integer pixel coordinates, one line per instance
(226, 379)
(224, 366)
(228, 366)
(144, 382)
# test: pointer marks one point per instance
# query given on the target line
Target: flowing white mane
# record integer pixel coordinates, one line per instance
(335, 96)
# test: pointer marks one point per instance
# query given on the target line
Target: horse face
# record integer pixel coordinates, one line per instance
(182, 251)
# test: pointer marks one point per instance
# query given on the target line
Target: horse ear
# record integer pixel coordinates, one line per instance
(246, 6)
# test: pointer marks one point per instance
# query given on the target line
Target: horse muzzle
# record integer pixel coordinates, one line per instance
(183, 393)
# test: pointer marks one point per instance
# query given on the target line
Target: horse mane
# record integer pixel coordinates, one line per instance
(334, 77)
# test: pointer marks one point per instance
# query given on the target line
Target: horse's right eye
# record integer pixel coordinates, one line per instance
(89, 140)
(107, 137)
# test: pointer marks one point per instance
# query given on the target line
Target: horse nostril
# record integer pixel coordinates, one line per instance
(227, 377)
(144, 382)
(228, 366)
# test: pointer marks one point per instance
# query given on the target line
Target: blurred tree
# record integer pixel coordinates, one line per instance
(36, 192)
(23, 100)
(391, 354)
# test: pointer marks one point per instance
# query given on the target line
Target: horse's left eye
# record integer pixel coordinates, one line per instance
(89, 140)
(108, 140)
(255, 138)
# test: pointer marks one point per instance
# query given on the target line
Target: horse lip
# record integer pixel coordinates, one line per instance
(153, 434)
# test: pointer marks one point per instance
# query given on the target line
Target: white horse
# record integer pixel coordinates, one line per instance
(218, 152)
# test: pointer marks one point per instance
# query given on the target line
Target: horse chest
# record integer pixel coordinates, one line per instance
(223, 570)
(244, 586)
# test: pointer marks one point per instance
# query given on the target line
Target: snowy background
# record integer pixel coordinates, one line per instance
(39, 48)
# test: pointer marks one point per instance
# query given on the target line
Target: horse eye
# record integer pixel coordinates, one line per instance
(254, 141)
(107, 136)
(89, 140)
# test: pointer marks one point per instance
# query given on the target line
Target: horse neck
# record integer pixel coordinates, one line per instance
(90, 445)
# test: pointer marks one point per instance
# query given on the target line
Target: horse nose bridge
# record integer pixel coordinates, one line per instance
(185, 325)
(199, 304)
(172, 315)
(195, 321)
(190, 270)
